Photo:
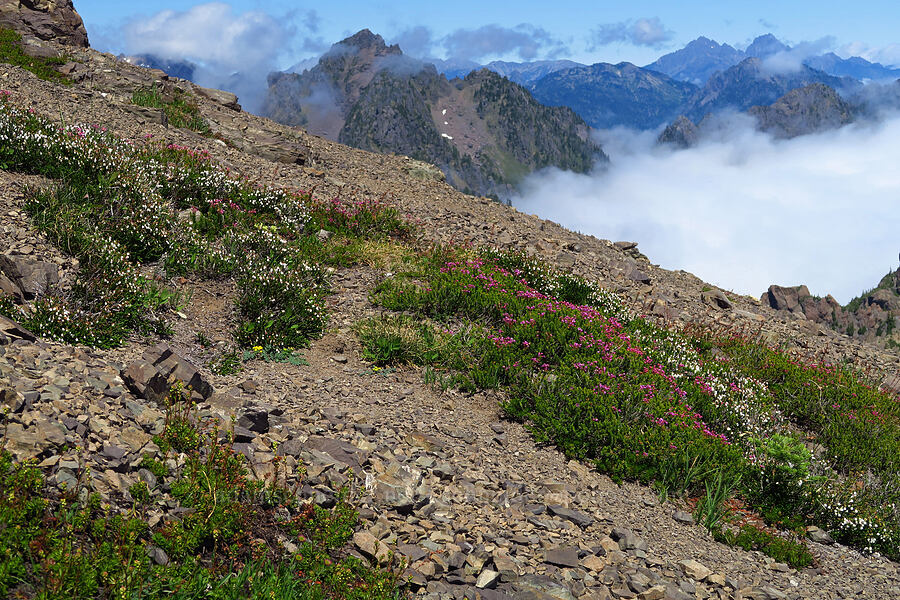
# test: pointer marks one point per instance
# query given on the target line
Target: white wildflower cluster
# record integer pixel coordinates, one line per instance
(840, 511)
(281, 295)
(291, 211)
(748, 409)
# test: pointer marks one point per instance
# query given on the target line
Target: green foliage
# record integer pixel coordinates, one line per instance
(712, 511)
(180, 433)
(226, 363)
(157, 467)
(397, 340)
(11, 53)
(783, 464)
(284, 355)
(140, 492)
(180, 108)
(794, 553)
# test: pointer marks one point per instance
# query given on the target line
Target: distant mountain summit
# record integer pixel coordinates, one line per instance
(700, 59)
(184, 69)
(856, 67)
(765, 46)
(697, 61)
(527, 73)
(484, 132)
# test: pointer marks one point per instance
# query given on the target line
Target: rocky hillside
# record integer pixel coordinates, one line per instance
(485, 133)
(606, 95)
(402, 349)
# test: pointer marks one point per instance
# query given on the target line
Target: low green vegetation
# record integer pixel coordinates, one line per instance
(788, 551)
(11, 53)
(180, 108)
(120, 208)
(696, 413)
(69, 546)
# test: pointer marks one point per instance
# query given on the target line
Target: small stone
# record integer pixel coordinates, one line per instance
(820, 536)
(694, 569)
(579, 518)
(487, 579)
(593, 563)
(566, 556)
(158, 555)
(683, 517)
(657, 592)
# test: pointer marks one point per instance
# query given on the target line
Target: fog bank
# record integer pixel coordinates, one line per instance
(742, 210)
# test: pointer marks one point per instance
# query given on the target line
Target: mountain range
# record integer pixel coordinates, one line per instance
(366, 93)
(484, 132)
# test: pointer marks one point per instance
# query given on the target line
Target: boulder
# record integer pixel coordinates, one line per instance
(33, 277)
(716, 299)
(152, 377)
(785, 298)
(48, 20)
(11, 331)
(226, 99)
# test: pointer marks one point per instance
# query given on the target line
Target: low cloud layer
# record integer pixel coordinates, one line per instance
(648, 32)
(791, 60)
(525, 42)
(743, 211)
(234, 51)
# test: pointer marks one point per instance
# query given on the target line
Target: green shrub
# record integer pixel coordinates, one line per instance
(11, 53)
(181, 109)
(794, 553)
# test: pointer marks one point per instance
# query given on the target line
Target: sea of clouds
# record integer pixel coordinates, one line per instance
(742, 210)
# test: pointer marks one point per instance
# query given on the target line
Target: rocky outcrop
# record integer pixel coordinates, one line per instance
(160, 368)
(873, 316)
(682, 133)
(26, 278)
(812, 108)
(47, 20)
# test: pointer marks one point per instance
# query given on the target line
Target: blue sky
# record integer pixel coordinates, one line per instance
(585, 31)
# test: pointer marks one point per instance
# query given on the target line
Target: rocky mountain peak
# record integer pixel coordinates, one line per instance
(814, 107)
(46, 20)
(765, 45)
(366, 40)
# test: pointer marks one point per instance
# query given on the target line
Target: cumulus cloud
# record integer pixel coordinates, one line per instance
(526, 41)
(648, 31)
(744, 211)
(791, 60)
(523, 41)
(416, 41)
(235, 51)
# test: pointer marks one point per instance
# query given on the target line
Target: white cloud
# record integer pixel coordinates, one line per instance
(235, 50)
(888, 55)
(745, 211)
(648, 32)
(791, 60)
